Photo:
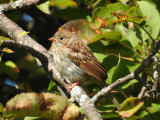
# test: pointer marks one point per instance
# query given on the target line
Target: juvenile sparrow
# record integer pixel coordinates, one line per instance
(75, 61)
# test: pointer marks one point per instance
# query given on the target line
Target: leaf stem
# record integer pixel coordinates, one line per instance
(148, 34)
(132, 50)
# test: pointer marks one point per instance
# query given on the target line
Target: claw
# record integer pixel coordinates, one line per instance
(72, 86)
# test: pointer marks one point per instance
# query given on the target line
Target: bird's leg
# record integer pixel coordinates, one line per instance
(72, 85)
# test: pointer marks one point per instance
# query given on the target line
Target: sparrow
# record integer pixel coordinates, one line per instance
(75, 61)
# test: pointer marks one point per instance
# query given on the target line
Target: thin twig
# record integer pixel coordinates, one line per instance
(19, 4)
(154, 42)
(153, 91)
(132, 50)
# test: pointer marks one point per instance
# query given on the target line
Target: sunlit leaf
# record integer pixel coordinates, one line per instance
(132, 15)
(152, 21)
(51, 85)
(7, 50)
(31, 118)
(111, 35)
(63, 3)
(4, 38)
(120, 70)
(128, 34)
(127, 85)
(22, 33)
(152, 109)
(100, 56)
(107, 15)
(114, 13)
(83, 30)
(130, 106)
(44, 7)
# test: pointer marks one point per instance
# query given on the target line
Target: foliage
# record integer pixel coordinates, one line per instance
(45, 105)
(114, 32)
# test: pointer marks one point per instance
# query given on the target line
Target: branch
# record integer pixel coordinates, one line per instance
(18, 5)
(148, 61)
(155, 74)
(27, 43)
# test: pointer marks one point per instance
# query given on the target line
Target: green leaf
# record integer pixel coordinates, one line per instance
(11, 69)
(83, 30)
(111, 35)
(152, 21)
(51, 85)
(65, 13)
(117, 48)
(31, 118)
(100, 56)
(103, 14)
(1, 107)
(30, 104)
(44, 7)
(63, 3)
(10, 64)
(114, 13)
(132, 15)
(130, 106)
(152, 109)
(4, 38)
(109, 115)
(120, 70)
(127, 85)
(128, 34)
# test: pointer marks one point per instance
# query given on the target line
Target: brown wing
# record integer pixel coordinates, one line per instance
(82, 56)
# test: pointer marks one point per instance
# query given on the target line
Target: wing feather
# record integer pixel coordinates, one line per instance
(82, 56)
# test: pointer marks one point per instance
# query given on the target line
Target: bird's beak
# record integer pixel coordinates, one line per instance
(52, 39)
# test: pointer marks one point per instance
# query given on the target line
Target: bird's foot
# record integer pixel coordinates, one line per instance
(72, 85)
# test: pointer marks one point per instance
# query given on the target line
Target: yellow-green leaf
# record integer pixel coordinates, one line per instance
(10, 64)
(22, 33)
(7, 50)
(1, 107)
(130, 106)
(44, 7)
(11, 69)
(4, 38)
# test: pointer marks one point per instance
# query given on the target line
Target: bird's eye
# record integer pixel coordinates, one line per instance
(61, 38)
